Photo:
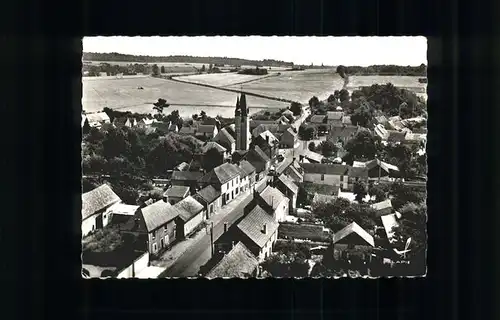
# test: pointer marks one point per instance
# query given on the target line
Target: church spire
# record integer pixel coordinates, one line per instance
(237, 111)
(243, 105)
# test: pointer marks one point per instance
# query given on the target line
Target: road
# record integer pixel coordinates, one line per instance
(189, 263)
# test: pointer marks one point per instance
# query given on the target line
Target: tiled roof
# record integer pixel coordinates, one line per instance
(213, 145)
(158, 214)
(273, 128)
(206, 128)
(342, 131)
(224, 135)
(221, 174)
(268, 137)
(272, 196)
(325, 168)
(353, 228)
(357, 172)
(237, 263)
(97, 199)
(334, 115)
(311, 155)
(382, 205)
(297, 176)
(186, 175)
(284, 164)
(317, 119)
(247, 167)
(187, 130)
(373, 163)
(208, 194)
(188, 208)
(288, 182)
(177, 191)
(252, 225)
(123, 209)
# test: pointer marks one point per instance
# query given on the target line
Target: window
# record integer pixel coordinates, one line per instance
(153, 235)
(154, 247)
(322, 177)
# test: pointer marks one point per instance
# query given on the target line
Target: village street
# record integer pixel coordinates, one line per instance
(186, 260)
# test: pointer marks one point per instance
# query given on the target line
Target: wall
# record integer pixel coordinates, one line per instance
(88, 225)
(161, 233)
(268, 248)
(230, 190)
(190, 225)
(134, 268)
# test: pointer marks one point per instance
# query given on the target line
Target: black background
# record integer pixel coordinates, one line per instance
(40, 265)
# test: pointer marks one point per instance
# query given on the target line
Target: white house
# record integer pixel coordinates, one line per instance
(96, 120)
(274, 202)
(96, 205)
(325, 173)
(226, 179)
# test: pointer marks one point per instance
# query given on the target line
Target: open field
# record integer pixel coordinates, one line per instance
(302, 85)
(220, 79)
(123, 94)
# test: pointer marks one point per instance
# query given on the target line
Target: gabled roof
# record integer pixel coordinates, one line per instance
(288, 133)
(182, 166)
(310, 155)
(257, 154)
(206, 128)
(268, 137)
(188, 208)
(256, 123)
(288, 182)
(273, 128)
(284, 164)
(213, 145)
(97, 117)
(342, 131)
(283, 120)
(207, 194)
(221, 174)
(334, 115)
(382, 205)
(173, 127)
(187, 130)
(177, 191)
(186, 175)
(252, 225)
(123, 209)
(375, 162)
(224, 135)
(288, 111)
(237, 263)
(247, 167)
(158, 214)
(353, 228)
(325, 168)
(317, 118)
(97, 199)
(120, 121)
(291, 171)
(272, 197)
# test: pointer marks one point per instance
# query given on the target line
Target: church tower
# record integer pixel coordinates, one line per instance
(242, 124)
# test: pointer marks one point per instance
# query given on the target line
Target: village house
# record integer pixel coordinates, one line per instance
(186, 178)
(274, 202)
(175, 194)
(382, 208)
(291, 168)
(95, 206)
(239, 262)
(356, 174)
(334, 117)
(96, 120)
(226, 179)
(341, 133)
(259, 160)
(207, 131)
(324, 173)
(247, 175)
(187, 131)
(382, 120)
(145, 122)
(286, 185)
(351, 237)
(191, 214)
(158, 222)
(275, 128)
(377, 168)
(308, 156)
(267, 143)
(223, 153)
(283, 120)
(172, 127)
(211, 200)
(121, 122)
(288, 139)
(225, 139)
(258, 231)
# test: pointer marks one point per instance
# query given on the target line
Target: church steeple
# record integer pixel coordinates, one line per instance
(243, 105)
(237, 111)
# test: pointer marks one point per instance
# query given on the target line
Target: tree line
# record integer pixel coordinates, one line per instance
(420, 70)
(94, 56)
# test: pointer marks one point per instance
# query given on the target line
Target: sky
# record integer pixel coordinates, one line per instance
(333, 51)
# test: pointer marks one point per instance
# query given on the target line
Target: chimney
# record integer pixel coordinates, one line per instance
(264, 229)
(267, 139)
(225, 227)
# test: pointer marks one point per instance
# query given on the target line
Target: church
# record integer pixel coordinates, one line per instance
(242, 124)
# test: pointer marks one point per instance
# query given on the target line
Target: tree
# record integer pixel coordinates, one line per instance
(162, 69)
(211, 159)
(156, 70)
(344, 95)
(296, 108)
(103, 240)
(203, 68)
(160, 105)
(332, 98)
(306, 133)
(313, 102)
(377, 192)
(289, 265)
(210, 67)
(363, 145)
(311, 146)
(303, 197)
(328, 148)
(362, 116)
(203, 115)
(402, 194)
(195, 117)
(359, 189)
